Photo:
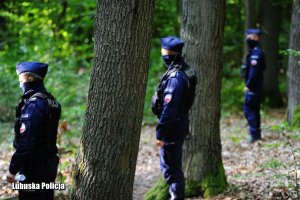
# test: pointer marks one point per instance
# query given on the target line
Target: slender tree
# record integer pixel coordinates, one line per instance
(293, 72)
(109, 144)
(270, 17)
(202, 30)
(250, 20)
(251, 14)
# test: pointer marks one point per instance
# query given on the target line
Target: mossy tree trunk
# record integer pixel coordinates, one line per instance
(293, 72)
(270, 14)
(109, 145)
(202, 30)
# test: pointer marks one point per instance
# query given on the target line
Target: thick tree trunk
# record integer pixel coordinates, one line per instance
(293, 72)
(202, 30)
(109, 144)
(270, 44)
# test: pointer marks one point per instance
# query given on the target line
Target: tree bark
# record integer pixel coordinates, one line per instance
(109, 145)
(251, 14)
(202, 30)
(250, 20)
(270, 45)
(293, 72)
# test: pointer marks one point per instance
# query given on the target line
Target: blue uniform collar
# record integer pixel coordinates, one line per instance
(178, 61)
(33, 87)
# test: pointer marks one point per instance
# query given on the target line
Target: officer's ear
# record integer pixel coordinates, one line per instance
(30, 79)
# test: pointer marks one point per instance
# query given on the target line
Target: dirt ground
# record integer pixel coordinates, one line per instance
(266, 170)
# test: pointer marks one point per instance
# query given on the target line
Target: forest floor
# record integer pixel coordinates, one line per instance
(265, 170)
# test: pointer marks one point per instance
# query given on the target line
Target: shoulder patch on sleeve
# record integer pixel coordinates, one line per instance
(22, 128)
(253, 62)
(168, 98)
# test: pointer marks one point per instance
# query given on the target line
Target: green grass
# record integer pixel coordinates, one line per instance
(272, 164)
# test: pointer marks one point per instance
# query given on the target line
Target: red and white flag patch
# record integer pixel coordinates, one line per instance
(254, 62)
(23, 128)
(168, 98)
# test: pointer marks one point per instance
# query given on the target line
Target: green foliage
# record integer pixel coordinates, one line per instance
(165, 23)
(290, 52)
(6, 132)
(281, 127)
(58, 33)
(296, 118)
(272, 145)
(272, 164)
(61, 33)
(160, 191)
(232, 94)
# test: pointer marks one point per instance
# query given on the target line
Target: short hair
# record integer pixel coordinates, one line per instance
(32, 75)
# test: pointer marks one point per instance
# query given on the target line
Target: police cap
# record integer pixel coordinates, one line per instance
(255, 31)
(33, 67)
(172, 43)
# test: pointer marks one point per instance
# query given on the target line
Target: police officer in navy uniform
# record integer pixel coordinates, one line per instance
(171, 103)
(37, 116)
(253, 74)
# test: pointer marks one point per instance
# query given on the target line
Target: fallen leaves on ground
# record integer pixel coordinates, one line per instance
(265, 170)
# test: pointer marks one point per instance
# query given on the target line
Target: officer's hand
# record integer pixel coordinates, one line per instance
(10, 178)
(246, 89)
(159, 143)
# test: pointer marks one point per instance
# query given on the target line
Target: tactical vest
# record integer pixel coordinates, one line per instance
(47, 141)
(188, 96)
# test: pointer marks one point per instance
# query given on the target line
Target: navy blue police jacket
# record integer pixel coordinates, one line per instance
(255, 62)
(173, 122)
(36, 126)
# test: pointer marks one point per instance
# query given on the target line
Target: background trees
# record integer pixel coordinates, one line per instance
(270, 14)
(294, 68)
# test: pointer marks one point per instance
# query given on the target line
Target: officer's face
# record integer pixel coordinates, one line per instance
(167, 52)
(253, 37)
(23, 78)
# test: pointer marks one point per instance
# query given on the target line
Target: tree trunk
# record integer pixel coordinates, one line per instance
(109, 145)
(270, 45)
(202, 30)
(293, 72)
(250, 20)
(251, 14)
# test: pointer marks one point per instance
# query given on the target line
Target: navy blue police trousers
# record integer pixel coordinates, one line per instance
(252, 113)
(171, 167)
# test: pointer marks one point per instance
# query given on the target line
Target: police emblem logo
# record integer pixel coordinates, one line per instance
(254, 62)
(23, 128)
(168, 98)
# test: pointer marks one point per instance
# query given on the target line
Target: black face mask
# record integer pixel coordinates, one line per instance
(168, 59)
(31, 85)
(252, 43)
